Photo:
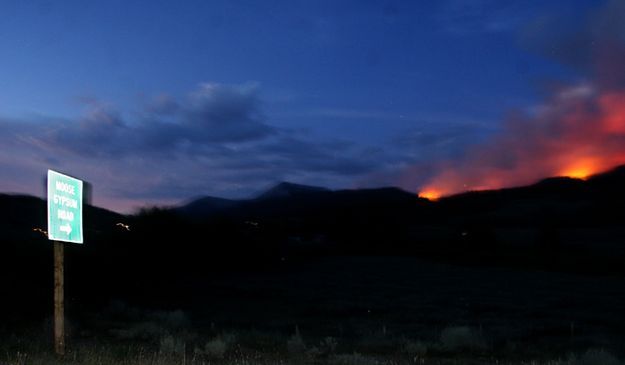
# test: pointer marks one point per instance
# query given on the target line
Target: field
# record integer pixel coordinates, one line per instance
(349, 310)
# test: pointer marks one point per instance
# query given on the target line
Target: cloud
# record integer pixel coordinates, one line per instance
(224, 114)
(579, 130)
(335, 158)
(352, 114)
(592, 45)
(214, 141)
(101, 132)
(469, 17)
(213, 113)
(162, 105)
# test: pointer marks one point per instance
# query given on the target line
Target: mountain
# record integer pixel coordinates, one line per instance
(286, 190)
(564, 190)
(557, 223)
(557, 196)
(206, 206)
(271, 200)
(609, 182)
(21, 214)
(303, 201)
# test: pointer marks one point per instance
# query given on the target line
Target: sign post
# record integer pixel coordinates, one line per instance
(59, 305)
(64, 225)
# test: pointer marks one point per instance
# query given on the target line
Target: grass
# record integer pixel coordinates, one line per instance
(141, 356)
(381, 311)
(455, 345)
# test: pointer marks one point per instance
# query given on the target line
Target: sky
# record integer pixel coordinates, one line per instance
(158, 102)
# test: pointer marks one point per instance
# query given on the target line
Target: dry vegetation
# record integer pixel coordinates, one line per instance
(168, 344)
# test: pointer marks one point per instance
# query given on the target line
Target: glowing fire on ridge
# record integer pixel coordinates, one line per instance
(578, 173)
(430, 194)
(581, 169)
(578, 133)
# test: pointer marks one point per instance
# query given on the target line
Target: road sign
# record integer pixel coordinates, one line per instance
(64, 208)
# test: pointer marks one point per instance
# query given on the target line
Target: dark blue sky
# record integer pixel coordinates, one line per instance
(155, 102)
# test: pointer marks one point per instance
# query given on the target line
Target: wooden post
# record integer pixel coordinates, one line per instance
(59, 316)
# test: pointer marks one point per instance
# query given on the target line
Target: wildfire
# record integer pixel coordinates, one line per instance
(430, 194)
(578, 173)
(581, 169)
(578, 131)
(576, 134)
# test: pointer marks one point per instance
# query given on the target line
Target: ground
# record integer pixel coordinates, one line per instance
(351, 310)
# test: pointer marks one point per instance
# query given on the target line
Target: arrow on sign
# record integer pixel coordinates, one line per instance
(66, 228)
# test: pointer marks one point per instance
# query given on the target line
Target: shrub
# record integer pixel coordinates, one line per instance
(174, 320)
(146, 330)
(596, 357)
(353, 359)
(215, 348)
(460, 338)
(295, 344)
(414, 348)
(170, 345)
(328, 345)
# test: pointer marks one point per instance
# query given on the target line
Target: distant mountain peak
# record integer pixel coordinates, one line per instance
(287, 189)
(206, 205)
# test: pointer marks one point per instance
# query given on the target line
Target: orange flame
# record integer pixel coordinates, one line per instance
(578, 133)
(581, 169)
(580, 172)
(430, 194)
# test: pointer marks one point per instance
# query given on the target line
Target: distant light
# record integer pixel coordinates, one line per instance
(43, 232)
(124, 226)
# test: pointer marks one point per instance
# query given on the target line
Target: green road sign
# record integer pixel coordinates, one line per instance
(64, 208)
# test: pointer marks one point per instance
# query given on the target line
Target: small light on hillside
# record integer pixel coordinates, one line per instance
(43, 232)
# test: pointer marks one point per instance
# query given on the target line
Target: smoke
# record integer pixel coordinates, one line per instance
(578, 131)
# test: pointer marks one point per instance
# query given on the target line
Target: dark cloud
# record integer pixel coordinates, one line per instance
(607, 22)
(216, 141)
(560, 39)
(243, 170)
(213, 114)
(435, 141)
(593, 44)
(336, 157)
(224, 114)
(441, 136)
(470, 17)
(101, 132)
(162, 105)
(577, 131)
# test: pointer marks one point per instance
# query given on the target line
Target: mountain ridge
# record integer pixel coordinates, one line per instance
(607, 182)
(286, 189)
(556, 186)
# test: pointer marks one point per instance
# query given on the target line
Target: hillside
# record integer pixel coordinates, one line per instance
(234, 261)
(557, 224)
